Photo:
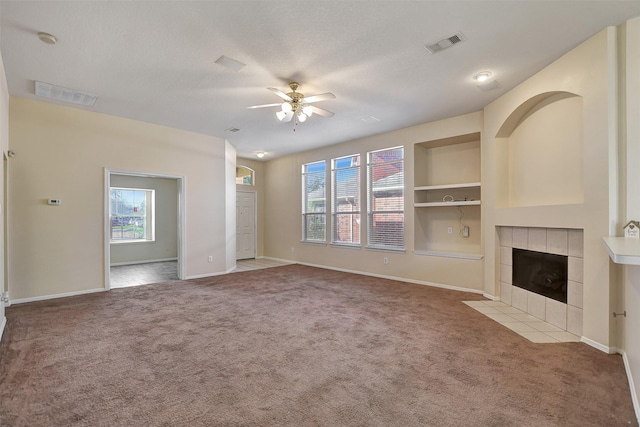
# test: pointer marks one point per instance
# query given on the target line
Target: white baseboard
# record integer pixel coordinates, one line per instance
(632, 387)
(601, 347)
(383, 276)
(146, 261)
(2, 325)
(200, 276)
(54, 296)
(491, 297)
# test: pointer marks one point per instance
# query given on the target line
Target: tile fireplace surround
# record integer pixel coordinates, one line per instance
(559, 241)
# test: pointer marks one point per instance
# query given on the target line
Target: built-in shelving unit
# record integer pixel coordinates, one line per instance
(447, 197)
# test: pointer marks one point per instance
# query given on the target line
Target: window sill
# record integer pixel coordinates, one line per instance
(126, 242)
(314, 242)
(386, 249)
(346, 245)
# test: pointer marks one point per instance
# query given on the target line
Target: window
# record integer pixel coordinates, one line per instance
(385, 197)
(131, 214)
(244, 175)
(314, 202)
(345, 200)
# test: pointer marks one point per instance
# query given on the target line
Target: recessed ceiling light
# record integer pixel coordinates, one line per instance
(370, 119)
(482, 76)
(260, 154)
(229, 63)
(47, 38)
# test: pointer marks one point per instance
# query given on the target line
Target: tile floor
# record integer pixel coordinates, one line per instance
(123, 276)
(526, 325)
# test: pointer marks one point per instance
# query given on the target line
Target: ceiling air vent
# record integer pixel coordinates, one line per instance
(64, 94)
(445, 43)
(233, 130)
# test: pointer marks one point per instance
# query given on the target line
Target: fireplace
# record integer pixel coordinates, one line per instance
(542, 273)
(565, 313)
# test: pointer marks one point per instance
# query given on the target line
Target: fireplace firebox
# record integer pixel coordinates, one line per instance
(542, 273)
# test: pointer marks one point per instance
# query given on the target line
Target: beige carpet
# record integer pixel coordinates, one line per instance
(293, 346)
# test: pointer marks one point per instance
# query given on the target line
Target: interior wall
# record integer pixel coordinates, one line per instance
(4, 147)
(588, 71)
(230, 205)
(61, 153)
(259, 188)
(283, 212)
(631, 134)
(165, 245)
(545, 156)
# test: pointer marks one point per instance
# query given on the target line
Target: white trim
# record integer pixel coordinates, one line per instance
(4, 323)
(182, 214)
(54, 296)
(632, 387)
(601, 347)
(200, 276)
(144, 261)
(383, 276)
(491, 297)
(461, 255)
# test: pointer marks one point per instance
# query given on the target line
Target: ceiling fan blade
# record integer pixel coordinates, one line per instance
(320, 97)
(280, 93)
(288, 116)
(322, 111)
(265, 105)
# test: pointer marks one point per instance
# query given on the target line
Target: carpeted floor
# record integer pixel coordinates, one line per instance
(293, 346)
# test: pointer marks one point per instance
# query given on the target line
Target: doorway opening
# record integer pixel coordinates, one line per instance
(144, 228)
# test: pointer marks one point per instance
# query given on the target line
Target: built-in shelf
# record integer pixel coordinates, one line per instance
(462, 255)
(447, 197)
(454, 203)
(623, 250)
(448, 186)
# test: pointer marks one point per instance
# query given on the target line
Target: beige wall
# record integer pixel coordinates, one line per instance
(165, 244)
(283, 216)
(630, 132)
(61, 153)
(258, 187)
(4, 146)
(589, 71)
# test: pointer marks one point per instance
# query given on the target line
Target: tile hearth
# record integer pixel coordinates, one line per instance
(524, 324)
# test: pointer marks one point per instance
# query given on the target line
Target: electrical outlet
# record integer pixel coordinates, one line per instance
(465, 231)
(210, 258)
(450, 230)
(385, 260)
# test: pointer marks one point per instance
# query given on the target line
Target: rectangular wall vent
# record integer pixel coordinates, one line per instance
(64, 94)
(445, 43)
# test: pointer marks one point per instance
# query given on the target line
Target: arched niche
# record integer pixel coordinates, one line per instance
(540, 152)
(245, 175)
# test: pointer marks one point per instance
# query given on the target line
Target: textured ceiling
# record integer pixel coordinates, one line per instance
(155, 61)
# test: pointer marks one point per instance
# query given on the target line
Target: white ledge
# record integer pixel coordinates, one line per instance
(623, 250)
(462, 255)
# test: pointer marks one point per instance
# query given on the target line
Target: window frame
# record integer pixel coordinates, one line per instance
(335, 213)
(371, 212)
(306, 202)
(148, 215)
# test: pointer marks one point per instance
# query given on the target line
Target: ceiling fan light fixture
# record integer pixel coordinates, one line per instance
(308, 110)
(281, 115)
(286, 107)
(302, 117)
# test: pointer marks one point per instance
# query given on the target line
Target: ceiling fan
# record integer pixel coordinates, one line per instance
(296, 105)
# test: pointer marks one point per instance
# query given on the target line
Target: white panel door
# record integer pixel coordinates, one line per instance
(245, 225)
